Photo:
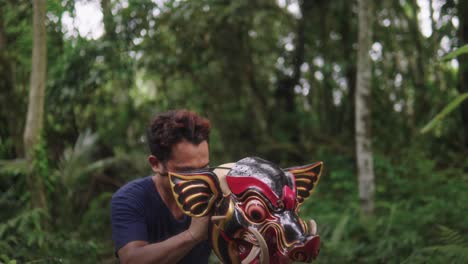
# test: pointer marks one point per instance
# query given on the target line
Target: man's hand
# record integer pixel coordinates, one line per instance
(171, 250)
(199, 228)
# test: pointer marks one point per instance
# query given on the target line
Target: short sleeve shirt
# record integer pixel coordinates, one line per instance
(138, 213)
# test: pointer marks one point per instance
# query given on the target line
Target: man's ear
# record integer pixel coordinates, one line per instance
(307, 178)
(195, 192)
(156, 164)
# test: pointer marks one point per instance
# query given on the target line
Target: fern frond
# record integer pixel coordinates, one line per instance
(449, 236)
(453, 249)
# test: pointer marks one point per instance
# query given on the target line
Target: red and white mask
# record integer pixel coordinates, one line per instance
(254, 206)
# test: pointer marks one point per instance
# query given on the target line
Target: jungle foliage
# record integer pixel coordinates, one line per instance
(277, 80)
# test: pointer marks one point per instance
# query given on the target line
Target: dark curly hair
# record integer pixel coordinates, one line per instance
(170, 128)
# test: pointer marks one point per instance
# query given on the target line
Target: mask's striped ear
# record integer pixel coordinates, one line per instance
(307, 178)
(195, 192)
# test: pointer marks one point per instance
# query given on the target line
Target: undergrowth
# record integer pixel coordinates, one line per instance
(420, 214)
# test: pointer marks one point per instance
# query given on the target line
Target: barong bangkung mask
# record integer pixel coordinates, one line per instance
(253, 206)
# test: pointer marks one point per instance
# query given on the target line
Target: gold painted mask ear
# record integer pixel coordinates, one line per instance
(307, 178)
(195, 192)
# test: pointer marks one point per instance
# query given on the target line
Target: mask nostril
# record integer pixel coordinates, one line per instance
(306, 252)
(300, 256)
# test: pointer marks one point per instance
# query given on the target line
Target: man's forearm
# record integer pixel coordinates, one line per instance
(168, 251)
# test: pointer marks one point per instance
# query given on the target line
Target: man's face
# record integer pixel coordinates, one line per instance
(186, 156)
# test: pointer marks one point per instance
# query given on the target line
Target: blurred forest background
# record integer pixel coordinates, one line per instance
(277, 78)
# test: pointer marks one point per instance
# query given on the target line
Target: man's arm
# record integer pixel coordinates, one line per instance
(169, 251)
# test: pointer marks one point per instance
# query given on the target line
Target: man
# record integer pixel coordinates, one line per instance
(147, 225)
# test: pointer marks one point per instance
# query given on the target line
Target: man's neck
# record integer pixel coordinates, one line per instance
(166, 195)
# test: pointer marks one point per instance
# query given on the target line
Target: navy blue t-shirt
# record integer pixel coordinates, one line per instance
(138, 213)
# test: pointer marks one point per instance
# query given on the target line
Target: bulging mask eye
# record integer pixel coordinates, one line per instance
(255, 211)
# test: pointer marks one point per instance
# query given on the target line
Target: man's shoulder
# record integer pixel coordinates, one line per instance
(137, 188)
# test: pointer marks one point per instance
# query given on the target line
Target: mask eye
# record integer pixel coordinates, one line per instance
(255, 211)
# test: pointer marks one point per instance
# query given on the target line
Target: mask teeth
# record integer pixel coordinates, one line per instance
(312, 227)
(254, 252)
(250, 238)
(218, 217)
(264, 254)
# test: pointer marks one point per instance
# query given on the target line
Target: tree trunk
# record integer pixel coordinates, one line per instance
(285, 95)
(463, 68)
(329, 122)
(347, 32)
(35, 115)
(112, 51)
(363, 117)
(2, 32)
(8, 98)
(421, 100)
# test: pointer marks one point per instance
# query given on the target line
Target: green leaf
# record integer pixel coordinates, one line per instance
(456, 53)
(447, 110)
(339, 231)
